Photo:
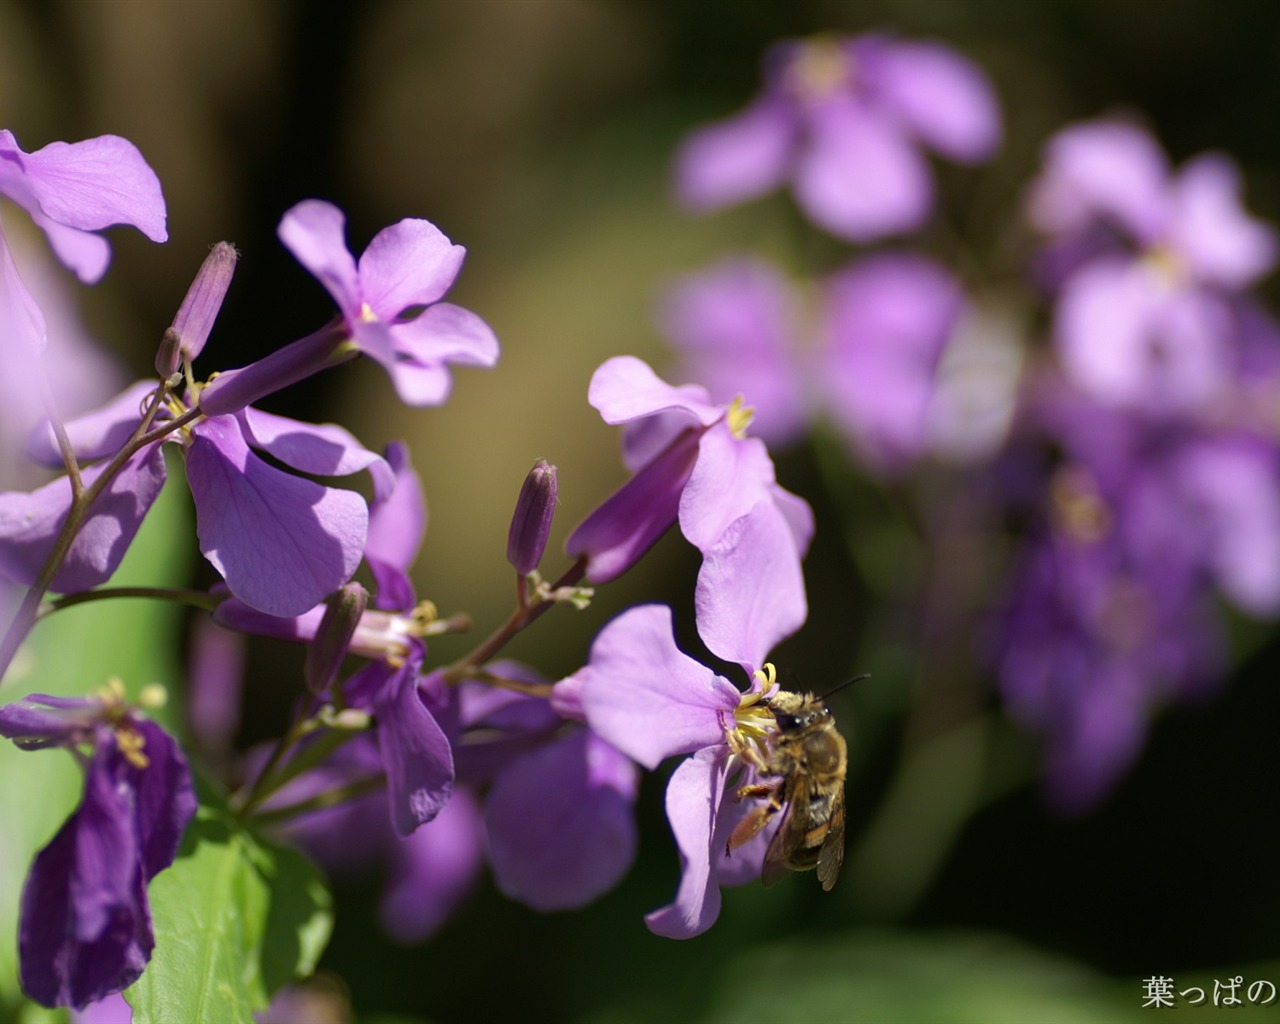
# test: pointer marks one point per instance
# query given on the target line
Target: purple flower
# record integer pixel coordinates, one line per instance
(390, 299)
(85, 926)
(692, 462)
(1148, 263)
(734, 326)
(281, 541)
(72, 190)
(888, 320)
(843, 119)
(651, 701)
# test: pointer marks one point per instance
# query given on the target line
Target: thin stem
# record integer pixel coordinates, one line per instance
(320, 801)
(193, 598)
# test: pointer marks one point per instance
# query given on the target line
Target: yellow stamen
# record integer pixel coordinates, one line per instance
(739, 417)
(820, 69)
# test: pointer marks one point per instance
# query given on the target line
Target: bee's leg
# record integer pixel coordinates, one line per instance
(755, 821)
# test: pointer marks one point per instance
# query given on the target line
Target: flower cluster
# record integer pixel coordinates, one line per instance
(430, 768)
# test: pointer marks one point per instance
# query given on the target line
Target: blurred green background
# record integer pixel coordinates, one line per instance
(538, 133)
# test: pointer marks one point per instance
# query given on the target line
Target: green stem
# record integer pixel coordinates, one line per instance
(321, 801)
(194, 598)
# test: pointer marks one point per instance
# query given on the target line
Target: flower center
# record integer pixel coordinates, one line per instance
(753, 722)
(820, 69)
(390, 636)
(739, 417)
(1079, 511)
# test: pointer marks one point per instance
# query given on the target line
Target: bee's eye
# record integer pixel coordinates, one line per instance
(788, 721)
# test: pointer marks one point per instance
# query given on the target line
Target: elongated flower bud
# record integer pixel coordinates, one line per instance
(194, 320)
(333, 637)
(531, 523)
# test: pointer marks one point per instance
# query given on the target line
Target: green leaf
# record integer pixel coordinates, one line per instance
(235, 919)
(73, 653)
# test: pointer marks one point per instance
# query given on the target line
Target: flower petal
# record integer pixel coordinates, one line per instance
(321, 449)
(575, 847)
(97, 434)
(283, 544)
(736, 159)
(315, 232)
(648, 698)
(415, 750)
(410, 263)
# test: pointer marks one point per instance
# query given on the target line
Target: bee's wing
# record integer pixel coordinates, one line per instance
(791, 830)
(831, 856)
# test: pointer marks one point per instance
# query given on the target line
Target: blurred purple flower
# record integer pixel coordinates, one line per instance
(651, 701)
(843, 119)
(85, 926)
(734, 326)
(72, 190)
(1147, 262)
(888, 321)
(692, 462)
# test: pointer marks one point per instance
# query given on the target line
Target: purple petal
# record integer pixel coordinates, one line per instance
(85, 928)
(731, 477)
(733, 325)
(112, 1009)
(94, 184)
(22, 324)
(164, 800)
(215, 679)
(646, 697)
(694, 796)
(944, 98)
(444, 333)
(617, 533)
(575, 848)
(625, 388)
(750, 592)
(321, 449)
(416, 753)
(1222, 244)
(233, 390)
(433, 871)
(283, 544)
(410, 263)
(397, 524)
(30, 523)
(888, 320)
(315, 232)
(97, 434)
(861, 179)
(736, 159)
(1106, 171)
(1126, 338)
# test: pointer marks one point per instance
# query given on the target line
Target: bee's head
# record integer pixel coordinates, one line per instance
(801, 716)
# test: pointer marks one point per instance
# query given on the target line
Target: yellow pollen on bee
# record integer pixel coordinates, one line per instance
(739, 417)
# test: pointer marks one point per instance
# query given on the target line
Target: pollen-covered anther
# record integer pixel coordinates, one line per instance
(130, 743)
(739, 416)
(820, 68)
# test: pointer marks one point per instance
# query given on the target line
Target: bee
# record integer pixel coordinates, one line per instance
(809, 758)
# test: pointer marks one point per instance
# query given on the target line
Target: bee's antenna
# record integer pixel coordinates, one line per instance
(847, 682)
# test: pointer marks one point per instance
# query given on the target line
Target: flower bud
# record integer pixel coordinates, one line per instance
(531, 523)
(333, 636)
(194, 320)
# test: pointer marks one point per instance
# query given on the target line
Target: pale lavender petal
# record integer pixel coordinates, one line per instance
(96, 434)
(731, 477)
(750, 592)
(22, 324)
(321, 449)
(398, 522)
(646, 697)
(861, 179)
(1239, 484)
(443, 334)
(433, 871)
(576, 847)
(733, 324)
(944, 98)
(694, 795)
(29, 524)
(410, 263)
(1222, 243)
(1102, 170)
(888, 320)
(625, 388)
(93, 184)
(234, 614)
(215, 682)
(315, 232)
(415, 750)
(736, 159)
(798, 515)
(110, 1009)
(87, 255)
(1126, 338)
(282, 543)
